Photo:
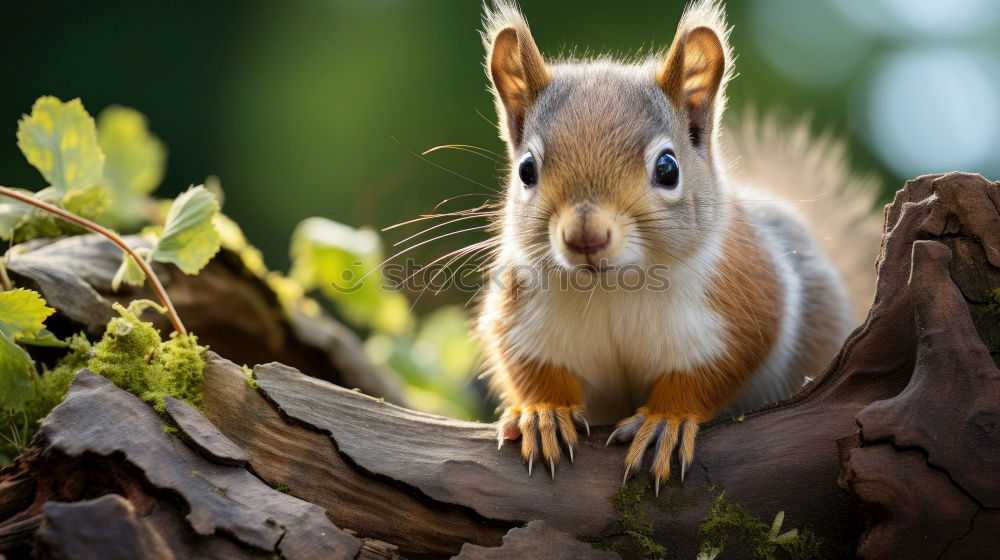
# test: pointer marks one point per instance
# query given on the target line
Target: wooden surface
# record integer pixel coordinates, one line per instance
(100, 425)
(892, 452)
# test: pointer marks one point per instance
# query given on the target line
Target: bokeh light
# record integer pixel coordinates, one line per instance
(929, 109)
(812, 43)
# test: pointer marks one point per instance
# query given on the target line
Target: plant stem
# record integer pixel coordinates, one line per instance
(117, 240)
(4, 279)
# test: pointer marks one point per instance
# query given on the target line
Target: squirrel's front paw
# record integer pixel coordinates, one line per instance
(663, 432)
(540, 427)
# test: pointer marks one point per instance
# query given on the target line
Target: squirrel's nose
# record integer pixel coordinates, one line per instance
(587, 242)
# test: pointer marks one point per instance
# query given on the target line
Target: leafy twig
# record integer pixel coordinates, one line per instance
(116, 239)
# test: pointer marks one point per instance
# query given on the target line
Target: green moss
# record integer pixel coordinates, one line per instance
(806, 545)
(53, 384)
(986, 317)
(633, 535)
(993, 306)
(766, 539)
(634, 524)
(126, 353)
(182, 364)
(132, 356)
(251, 382)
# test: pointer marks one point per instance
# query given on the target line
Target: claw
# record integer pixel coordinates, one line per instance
(663, 435)
(686, 453)
(540, 429)
(586, 425)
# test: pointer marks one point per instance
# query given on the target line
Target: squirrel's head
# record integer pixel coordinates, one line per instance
(612, 163)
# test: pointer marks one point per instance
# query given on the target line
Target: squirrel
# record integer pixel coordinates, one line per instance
(618, 169)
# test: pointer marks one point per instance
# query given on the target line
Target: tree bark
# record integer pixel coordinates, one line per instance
(892, 452)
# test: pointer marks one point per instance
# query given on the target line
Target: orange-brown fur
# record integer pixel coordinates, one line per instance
(747, 294)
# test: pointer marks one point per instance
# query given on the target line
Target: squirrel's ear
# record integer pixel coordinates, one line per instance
(694, 73)
(515, 66)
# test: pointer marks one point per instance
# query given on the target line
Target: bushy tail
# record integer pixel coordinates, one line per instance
(813, 172)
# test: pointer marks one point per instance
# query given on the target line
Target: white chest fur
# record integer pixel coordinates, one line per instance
(619, 341)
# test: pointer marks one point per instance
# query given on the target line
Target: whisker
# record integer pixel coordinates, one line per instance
(412, 247)
(422, 217)
(443, 168)
(481, 152)
(436, 226)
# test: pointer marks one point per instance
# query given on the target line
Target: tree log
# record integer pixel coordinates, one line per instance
(892, 452)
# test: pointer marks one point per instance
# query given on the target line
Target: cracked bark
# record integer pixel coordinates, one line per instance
(891, 452)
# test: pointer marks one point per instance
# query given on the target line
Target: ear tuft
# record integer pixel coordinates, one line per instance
(515, 67)
(697, 68)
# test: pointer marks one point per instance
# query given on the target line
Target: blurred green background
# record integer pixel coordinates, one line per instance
(294, 104)
(316, 107)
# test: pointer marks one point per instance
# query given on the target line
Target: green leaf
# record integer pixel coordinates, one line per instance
(45, 338)
(60, 140)
(779, 518)
(786, 537)
(15, 371)
(22, 313)
(22, 222)
(136, 159)
(89, 201)
(444, 335)
(129, 271)
(189, 238)
(325, 251)
(12, 214)
(342, 261)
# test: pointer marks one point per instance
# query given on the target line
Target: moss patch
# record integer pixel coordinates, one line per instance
(986, 317)
(132, 356)
(632, 536)
(251, 382)
(768, 540)
(993, 306)
(634, 532)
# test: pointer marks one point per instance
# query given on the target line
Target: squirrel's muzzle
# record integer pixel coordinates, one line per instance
(587, 241)
(585, 234)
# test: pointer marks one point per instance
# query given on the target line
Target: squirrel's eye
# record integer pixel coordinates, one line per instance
(667, 172)
(527, 172)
